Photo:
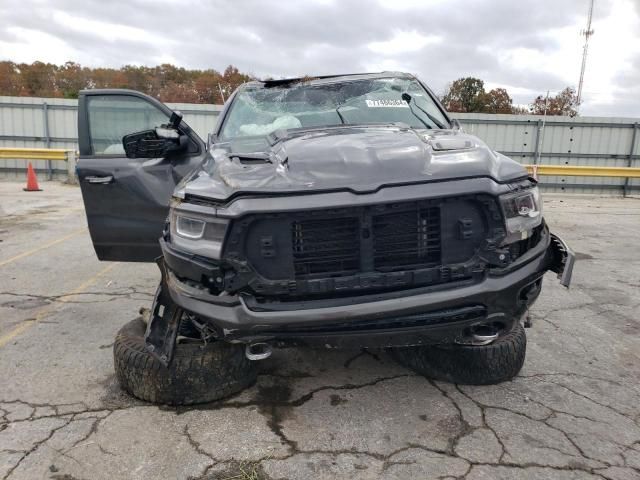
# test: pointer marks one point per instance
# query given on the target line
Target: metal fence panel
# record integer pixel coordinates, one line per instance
(598, 141)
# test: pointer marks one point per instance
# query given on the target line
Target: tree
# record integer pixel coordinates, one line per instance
(465, 95)
(232, 79)
(9, 79)
(564, 103)
(179, 93)
(166, 81)
(70, 79)
(468, 95)
(498, 101)
(206, 84)
(38, 79)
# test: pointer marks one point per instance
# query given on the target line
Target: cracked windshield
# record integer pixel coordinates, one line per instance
(259, 112)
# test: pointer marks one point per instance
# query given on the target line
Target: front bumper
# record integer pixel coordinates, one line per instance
(419, 316)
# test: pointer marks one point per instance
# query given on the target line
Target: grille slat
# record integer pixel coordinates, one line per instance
(326, 246)
(407, 239)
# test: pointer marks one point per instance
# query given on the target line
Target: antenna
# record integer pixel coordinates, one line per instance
(587, 34)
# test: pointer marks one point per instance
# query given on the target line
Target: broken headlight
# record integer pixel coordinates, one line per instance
(522, 210)
(196, 233)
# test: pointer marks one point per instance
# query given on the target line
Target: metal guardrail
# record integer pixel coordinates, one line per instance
(49, 154)
(34, 153)
(583, 171)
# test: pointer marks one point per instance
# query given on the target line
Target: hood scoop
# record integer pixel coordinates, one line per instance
(252, 158)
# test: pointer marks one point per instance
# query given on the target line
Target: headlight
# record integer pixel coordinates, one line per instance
(198, 233)
(522, 210)
(189, 227)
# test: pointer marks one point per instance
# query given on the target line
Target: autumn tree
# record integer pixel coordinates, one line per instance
(564, 103)
(10, 82)
(231, 78)
(468, 95)
(465, 95)
(208, 85)
(498, 101)
(38, 79)
(167, 82)
(70, 79)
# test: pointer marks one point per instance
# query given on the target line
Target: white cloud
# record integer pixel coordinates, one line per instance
(402, 42)
(409, 4)
(526, 47)
(615, 43)
(27, 41)
(109, 32)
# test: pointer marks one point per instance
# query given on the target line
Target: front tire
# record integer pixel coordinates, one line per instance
(198, 373)
(468, 364)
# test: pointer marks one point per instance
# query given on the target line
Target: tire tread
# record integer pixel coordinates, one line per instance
(197, 373)
(469, 365)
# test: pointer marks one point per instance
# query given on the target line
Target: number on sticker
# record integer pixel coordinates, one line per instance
(393, 103)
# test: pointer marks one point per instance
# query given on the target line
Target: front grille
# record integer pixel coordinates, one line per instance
(407, 239)
(385, 238)
(360, 249)
(326, 246)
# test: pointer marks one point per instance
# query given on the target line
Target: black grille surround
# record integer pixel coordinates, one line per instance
(356, 250)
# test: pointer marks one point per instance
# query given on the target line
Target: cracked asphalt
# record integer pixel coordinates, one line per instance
(572, 413)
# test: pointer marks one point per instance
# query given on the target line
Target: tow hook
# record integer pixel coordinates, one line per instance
(258, 351)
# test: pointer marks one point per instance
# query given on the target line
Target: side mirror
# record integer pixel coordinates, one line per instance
(156, 143)
(175, 119)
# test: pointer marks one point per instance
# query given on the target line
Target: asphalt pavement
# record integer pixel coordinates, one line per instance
(572, 413)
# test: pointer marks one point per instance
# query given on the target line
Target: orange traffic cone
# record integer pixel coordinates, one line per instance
(32, 180)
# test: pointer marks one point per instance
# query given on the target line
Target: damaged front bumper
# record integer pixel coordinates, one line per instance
(399, 318)
(563, 260)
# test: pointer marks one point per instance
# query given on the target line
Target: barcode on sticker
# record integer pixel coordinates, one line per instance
(387, 103)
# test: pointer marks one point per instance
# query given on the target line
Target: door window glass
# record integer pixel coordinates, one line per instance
(111, 117)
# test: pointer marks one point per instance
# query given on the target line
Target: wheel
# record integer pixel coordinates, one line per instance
(198, 373)
(468, 364)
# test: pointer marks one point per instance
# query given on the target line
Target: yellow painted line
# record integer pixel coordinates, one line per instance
(42, 313)
(41, 247)
(584, 171)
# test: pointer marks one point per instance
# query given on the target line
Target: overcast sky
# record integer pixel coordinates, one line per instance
(526, 46)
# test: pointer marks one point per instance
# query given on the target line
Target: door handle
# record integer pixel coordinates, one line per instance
(107, 179)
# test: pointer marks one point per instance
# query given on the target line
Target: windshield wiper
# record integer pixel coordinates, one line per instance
(409, 99)
(340, 115)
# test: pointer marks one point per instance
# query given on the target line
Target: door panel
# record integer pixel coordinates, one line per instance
(126, 200)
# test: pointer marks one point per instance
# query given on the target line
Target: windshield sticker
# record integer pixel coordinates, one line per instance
(387, 103)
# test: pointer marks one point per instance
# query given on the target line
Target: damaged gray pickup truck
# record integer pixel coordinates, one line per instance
(344, 211)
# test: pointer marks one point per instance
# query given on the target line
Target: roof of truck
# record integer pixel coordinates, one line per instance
(326, 78)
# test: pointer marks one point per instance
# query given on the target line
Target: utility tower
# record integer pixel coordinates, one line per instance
(587, 34)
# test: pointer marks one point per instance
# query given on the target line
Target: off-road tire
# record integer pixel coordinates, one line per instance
(197, 374)
(468, 364)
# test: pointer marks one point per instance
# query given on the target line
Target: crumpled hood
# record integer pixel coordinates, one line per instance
(357, 158)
